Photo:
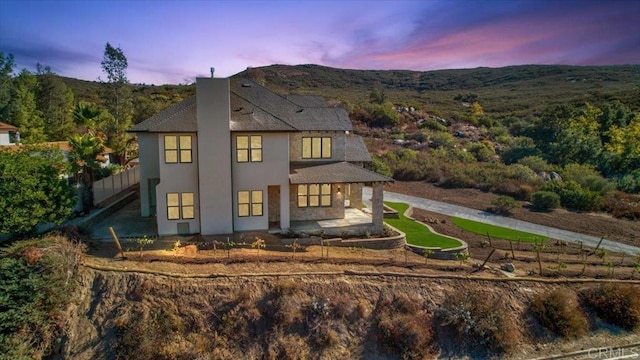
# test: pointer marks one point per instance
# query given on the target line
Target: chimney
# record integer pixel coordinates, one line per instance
(212, 71)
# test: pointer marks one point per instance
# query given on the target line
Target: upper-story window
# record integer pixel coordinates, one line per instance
(249, 148)
(316, 147)
(177, 149)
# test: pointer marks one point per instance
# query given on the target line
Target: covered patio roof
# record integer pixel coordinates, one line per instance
(342, 172)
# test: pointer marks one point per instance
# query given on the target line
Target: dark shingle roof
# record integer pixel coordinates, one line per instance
(253, 108)
(181, 117)
(356, 150)
(342, 172)
(307, 101)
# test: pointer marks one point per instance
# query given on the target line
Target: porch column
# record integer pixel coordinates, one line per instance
(378, 206)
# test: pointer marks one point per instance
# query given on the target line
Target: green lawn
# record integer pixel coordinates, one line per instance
(497, 232)
(418, 234)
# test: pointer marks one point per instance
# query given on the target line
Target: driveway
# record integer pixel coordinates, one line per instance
(488, 218)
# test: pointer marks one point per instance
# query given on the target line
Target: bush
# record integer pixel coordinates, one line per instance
(574, 196)
(504, 204)
(630, 183)
(545, 201)
(616, 304)
(558, 311)
(480, 320)
(536, 163)
(623, 206)
(37, 278)
(405, 327)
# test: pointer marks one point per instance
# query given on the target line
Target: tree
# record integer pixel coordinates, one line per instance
(23, 111)
(32, 189)
(86, 116)
(118, 99)
(6, 68)
(55, 101)
(83, 158)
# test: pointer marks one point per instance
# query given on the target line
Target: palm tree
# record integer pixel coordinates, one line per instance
(83, 158)
(86, 115)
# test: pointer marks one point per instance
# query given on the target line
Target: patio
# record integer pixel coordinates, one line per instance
(354, 220)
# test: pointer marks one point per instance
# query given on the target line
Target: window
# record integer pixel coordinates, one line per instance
(249, 148)
(180, 206)
(250, 203)
(177, 148)
(316, 147)
(314, 195)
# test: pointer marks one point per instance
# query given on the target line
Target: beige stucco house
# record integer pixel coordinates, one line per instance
(238, 157)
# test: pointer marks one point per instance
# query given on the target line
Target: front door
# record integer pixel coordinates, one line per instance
(273, 199)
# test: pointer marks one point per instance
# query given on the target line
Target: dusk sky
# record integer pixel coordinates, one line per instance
(175, 41)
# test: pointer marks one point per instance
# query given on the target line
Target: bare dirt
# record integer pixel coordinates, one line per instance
(595, 224)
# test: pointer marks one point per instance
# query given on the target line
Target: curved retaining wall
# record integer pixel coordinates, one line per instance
(391, 242)
(438, 253)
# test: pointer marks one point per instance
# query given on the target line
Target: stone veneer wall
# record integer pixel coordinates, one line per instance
(335, 211)
(355, 196)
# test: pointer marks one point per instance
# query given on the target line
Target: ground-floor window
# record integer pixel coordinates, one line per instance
(250, 203)
(314, 195)
(180, 206)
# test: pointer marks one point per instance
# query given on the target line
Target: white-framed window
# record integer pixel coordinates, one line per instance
(316, 147)
(249, 148)
(250, 203)
(177, 148)
(314, 195)
(180, 206)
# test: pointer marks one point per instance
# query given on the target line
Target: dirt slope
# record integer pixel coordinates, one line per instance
(118, 314)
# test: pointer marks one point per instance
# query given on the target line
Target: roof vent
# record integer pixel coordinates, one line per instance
(300, 110)
(246, 85)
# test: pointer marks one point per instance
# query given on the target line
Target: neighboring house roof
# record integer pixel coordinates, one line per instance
(254, 108)
(7, 127)
(342, 172)
(181, 117)
(356, 150)
(66, 147)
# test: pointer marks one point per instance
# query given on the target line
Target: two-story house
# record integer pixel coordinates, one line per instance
(238, 157)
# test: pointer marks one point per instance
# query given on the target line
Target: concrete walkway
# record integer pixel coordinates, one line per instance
(488, 218)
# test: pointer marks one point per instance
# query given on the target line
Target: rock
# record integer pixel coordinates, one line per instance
(555, 176)
(508, 267)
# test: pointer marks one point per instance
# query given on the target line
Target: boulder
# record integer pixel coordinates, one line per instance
(508, 267)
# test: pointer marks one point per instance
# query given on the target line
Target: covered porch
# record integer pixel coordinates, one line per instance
(327, 198)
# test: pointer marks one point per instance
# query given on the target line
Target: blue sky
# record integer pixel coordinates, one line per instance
(175, 41)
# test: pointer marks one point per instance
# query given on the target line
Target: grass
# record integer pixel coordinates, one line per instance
(497, 232)
(418, 234)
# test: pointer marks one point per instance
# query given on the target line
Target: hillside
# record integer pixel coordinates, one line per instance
(512, 90)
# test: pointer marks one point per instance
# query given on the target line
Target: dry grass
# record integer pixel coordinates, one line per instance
(616, 304)
(559, 312)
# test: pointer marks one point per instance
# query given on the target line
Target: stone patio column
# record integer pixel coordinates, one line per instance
(377, 207)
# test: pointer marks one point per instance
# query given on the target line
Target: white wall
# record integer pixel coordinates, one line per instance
(176, 178)
(5, 139)
(212, 96)
(273, 170)
(149, 167)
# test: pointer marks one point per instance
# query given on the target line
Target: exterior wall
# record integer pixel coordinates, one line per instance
(213, 114)
(5, 139)
(355, 195)
(273, 170)
(335, 211)
(178, 178)
(338, 141)
(149, 168)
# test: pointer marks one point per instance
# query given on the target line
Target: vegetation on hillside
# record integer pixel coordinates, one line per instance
(37, 279)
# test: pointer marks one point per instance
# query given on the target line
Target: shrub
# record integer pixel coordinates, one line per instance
(479, 320)
(623, 206)
(482, 151)
(443, 139)
(403, 325)
(616, 304)
(536, 163)
(574, 196)
(433, 125)
(558, 311)
(504, 204)
(545, 201)
(630, 183)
